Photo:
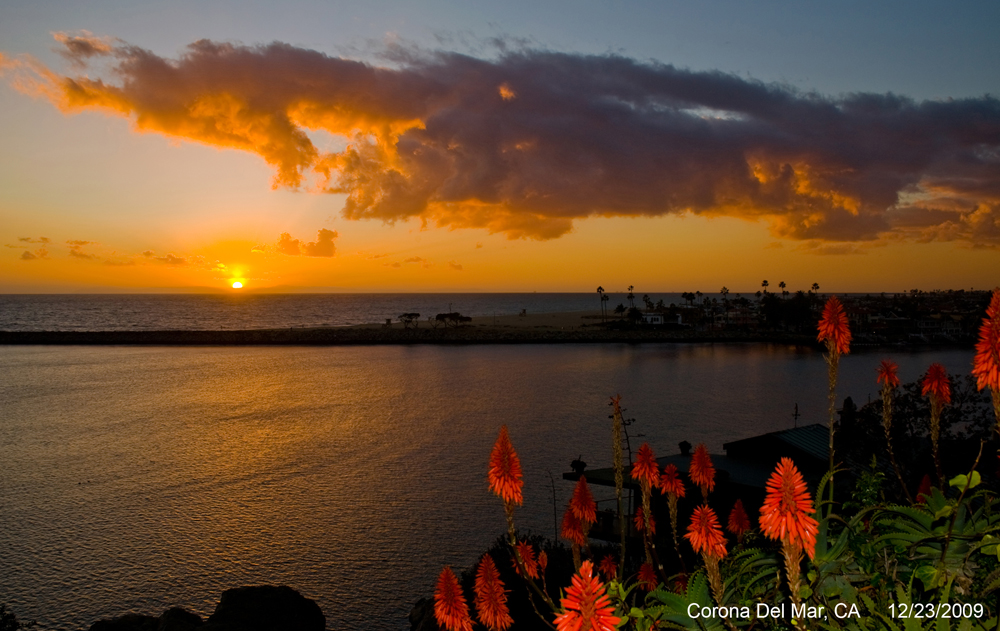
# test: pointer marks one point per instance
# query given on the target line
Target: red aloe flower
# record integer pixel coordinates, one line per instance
(586, 606)
(833, 327)
(681, 583)
(491, 598)
(640, 521)
(739, 523)
(645, 469)
(925, 489)
(572, 529)
(701, 471)
(787, 511)
(670, 481)
(527, 553)
(505, 470)
(887, 373)
(582, 503)
(543, 561)
(647, 577)
(450, 608)
(936, 384)
(705, 534)
(608, 567)
(986, 365)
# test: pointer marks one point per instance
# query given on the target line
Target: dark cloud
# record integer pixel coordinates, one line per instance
(288, 245)
(323, 246)
(529, 142)
(76, 249)
(82, 46)
(170, 259)
(33, 240)
(455, 266)
(28, 256)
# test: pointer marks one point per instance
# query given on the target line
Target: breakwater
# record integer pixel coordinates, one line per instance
(377, 336)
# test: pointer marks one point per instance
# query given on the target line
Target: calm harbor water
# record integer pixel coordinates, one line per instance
(135, 479)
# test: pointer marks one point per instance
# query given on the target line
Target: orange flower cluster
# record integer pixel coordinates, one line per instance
(586, 606)
(986, 364)
(701, 471)
(787, 511)
(646, 470)
(936, 385)
(527, 553)
(450, 608)
(543, 562)
(739, 523)
(608, 567)
(705, 534)
(834, 328)
(505, 470)
(491, 598)
(887, 373)
(647, 577)
(582, 503)
(670, 481)
(572, 529)
(640, 521)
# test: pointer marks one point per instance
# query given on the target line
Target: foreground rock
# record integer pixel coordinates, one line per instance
(261, 608)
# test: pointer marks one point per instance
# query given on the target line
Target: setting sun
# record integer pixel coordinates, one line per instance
(237, 285)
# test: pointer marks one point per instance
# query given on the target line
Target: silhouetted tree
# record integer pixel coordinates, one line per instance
(410, 318)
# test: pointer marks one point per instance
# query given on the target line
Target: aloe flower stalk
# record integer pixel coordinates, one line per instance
(936, 386)
(836, 333)
(787, 516)
(673, 486)
(986, 364)
(647, 472)
(890, 380)
(616, 446)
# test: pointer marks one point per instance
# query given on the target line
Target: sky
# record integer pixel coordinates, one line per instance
(483, 146)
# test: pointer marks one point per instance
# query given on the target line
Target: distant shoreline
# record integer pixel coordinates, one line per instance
(576, 327)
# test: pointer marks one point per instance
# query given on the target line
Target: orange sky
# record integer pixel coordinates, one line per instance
(290, 170)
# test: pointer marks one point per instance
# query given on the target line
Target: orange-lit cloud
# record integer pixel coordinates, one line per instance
(530, 142)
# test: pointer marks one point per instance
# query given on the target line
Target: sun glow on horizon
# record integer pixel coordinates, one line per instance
(237, 285)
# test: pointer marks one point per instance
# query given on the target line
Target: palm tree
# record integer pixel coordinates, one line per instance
(725, 303)
(600, 295)
(816, 287)
(631, 296)
(764, 285)
(783, 292)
